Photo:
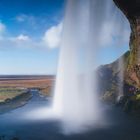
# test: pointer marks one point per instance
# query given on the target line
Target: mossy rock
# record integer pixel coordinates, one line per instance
(138, 97)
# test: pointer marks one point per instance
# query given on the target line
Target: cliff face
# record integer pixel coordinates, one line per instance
(131, 8)
(110, 81)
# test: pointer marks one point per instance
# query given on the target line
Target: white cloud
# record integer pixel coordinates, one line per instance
(112, 33)
(22, 37)
(52, 36)
(20, 41)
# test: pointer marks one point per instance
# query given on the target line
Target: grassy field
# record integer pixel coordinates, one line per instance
(12, 87)
(35, 83)
(9, 93)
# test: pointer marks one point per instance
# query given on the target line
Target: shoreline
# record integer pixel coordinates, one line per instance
(15, 103)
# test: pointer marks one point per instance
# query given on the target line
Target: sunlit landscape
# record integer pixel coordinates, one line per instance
(70, 70)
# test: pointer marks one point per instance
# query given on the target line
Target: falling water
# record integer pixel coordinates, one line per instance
(88, 27)
(75, 98)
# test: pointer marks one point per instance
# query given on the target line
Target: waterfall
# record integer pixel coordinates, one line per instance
(75, 97)
(87, 26)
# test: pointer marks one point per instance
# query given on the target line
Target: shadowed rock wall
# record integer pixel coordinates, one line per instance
(109, 80)
(131, 8)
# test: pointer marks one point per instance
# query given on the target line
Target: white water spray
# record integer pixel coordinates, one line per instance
(88, 25)
(75, 98)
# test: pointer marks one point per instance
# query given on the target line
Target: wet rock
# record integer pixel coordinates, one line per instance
(132, 11)
(109, 75)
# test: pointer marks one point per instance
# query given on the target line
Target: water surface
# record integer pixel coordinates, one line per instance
(12, 124)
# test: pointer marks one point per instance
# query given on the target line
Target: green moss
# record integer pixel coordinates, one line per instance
(109, 96)
(9, 93)
(138, 97)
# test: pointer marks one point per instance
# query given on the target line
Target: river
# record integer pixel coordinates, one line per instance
(12, 124)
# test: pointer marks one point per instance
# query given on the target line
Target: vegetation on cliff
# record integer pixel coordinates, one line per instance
(115, 86)
(121, 84)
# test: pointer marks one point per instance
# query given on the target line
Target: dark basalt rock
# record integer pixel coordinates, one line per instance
(110, 81)
(108, 75)
(131, 8)
(113, 89)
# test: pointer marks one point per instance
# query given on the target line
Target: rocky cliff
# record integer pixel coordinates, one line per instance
(115, 88)
(131, 9)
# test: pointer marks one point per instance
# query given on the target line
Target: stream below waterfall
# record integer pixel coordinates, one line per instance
(12, 124)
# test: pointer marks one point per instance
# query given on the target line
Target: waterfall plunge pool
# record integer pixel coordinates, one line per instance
(12, 124)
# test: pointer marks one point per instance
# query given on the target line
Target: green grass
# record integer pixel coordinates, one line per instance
(9, 93)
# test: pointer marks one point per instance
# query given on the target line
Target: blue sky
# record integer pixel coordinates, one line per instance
(30, 16)
(23, 24)
(30, 32)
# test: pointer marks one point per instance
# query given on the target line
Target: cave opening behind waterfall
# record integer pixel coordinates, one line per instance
(88, 27)
(95, 32)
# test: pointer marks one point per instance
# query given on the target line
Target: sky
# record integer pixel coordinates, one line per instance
(25, 27)
(30, 36)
